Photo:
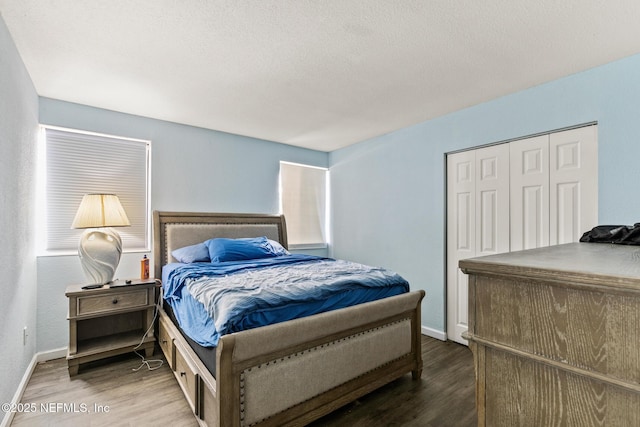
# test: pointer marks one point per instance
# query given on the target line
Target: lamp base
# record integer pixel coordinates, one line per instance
(99, 250)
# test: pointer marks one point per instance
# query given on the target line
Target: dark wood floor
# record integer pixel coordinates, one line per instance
(113, 394)
(443, 397)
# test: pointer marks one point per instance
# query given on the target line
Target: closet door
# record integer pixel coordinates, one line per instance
(478, 221)
(573, 156)
(529, 164)
(461, 237)
(492, 200)
(525, 194)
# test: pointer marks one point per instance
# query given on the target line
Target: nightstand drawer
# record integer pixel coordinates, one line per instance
(113, 301)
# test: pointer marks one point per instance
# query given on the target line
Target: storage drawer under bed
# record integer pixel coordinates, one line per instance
(187, 378)
(166, 341)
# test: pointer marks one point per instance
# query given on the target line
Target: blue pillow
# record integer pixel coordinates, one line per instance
(193, 253)
(221, 250)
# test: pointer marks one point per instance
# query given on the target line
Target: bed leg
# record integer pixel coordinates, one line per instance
(416, 374)
(73, 370)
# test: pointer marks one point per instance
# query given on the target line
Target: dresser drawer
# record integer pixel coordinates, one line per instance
(187, 378)
(114, 301)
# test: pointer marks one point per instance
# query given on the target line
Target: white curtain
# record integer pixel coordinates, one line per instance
(303, 197)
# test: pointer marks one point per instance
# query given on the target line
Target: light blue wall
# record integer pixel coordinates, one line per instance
(388, 193)
(18, 138)
(193, 169)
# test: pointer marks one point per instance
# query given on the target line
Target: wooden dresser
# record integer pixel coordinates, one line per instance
(555, 334)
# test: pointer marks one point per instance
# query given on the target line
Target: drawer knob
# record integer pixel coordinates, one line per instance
(183, 374)
(163, 341)
(115, 300)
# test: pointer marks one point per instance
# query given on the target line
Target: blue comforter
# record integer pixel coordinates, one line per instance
(213, 299)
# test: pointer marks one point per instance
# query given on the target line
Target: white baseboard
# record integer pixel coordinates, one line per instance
(45, 356)
(434, 333)
(37, 358)
(17, 397)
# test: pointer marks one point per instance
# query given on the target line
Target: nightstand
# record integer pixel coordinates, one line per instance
(110, 320)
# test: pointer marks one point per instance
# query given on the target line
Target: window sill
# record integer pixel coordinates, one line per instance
(61, 253)
(303, 246)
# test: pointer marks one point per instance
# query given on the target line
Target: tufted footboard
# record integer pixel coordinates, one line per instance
(296, 371)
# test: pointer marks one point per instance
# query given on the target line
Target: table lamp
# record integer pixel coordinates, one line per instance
(100, 246)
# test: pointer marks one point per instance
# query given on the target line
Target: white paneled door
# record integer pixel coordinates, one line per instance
(529, 203)
(573, 184)
(492, 200)
(461, 236)
(478, 221)
(524, 194)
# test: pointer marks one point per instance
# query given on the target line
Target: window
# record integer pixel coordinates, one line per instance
(76, 163)
(303, 201)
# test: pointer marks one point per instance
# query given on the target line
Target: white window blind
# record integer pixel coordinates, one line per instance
(78, 163)
(303, 197)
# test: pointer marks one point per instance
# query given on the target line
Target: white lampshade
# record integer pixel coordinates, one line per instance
(100, 247)
(100, 210)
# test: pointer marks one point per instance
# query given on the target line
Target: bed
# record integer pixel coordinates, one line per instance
(289, 373)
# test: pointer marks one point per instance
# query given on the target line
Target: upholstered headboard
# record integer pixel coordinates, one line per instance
(173, 230)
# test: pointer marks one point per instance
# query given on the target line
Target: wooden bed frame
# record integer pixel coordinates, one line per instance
(290, 373)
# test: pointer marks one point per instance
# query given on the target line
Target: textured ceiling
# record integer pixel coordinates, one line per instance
(317, 74)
